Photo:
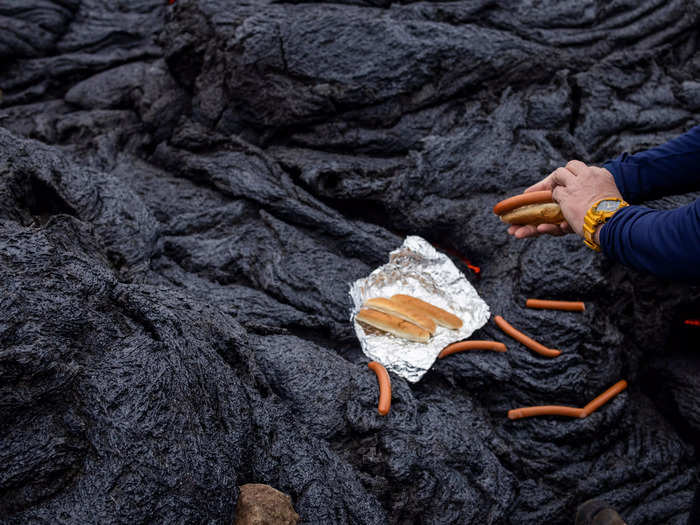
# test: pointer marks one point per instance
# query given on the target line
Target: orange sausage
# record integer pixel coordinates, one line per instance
(568, 306)
(472, 345)
(532, 197)
(384, 387)
(604, 397)
(546, 410)
(527, 341)
(554, 410)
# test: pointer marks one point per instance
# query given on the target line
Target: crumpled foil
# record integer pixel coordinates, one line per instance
(417, 269)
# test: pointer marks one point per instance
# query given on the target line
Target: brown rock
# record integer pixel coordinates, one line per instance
(260, 504)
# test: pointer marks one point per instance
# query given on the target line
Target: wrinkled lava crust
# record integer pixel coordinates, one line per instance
(188, 190)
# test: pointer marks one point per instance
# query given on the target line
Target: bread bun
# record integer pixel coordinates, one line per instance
(543, 213)
(403, 311)
(393, 325)
(440, 316)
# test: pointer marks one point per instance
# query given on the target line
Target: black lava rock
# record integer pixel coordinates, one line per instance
(188, 190)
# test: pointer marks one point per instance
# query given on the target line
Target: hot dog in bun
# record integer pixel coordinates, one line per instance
(534, 207)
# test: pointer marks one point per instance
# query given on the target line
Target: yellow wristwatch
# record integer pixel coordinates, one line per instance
(600, 212)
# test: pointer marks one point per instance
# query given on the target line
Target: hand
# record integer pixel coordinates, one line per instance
(520, 231)
(575, 188)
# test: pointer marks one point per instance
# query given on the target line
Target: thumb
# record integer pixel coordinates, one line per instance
(562, 177)
(545, 184)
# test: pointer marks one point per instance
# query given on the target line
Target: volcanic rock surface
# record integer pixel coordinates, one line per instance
(188, 190)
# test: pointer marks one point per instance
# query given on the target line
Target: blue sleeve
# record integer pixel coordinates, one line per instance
(665, 243)
(673, 167)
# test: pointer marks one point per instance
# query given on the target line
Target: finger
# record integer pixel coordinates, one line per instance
(549, 229)
(558, 194)
(562, 177)
(526, 231)
(513, 229)
(565, 227)
(544, 184)
(576, 167)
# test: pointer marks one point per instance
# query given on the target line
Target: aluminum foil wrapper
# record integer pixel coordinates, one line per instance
(417, 269)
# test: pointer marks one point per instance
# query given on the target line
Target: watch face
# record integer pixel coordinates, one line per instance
(608, 205)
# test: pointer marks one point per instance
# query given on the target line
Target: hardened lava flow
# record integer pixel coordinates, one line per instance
(189, 189)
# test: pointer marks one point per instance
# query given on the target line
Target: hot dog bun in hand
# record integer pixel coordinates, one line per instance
(534, 207)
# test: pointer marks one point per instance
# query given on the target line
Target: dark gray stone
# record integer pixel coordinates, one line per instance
(187, 191)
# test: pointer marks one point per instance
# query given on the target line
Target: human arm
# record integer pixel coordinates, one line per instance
(671, 168)
(665, 243)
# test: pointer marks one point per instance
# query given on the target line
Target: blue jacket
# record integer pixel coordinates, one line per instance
(664, 243)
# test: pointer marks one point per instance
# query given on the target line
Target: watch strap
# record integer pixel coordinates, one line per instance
(594, 218)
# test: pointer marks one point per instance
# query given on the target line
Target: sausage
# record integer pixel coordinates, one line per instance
(472, 345)
(568, 306)
(384, 387)
(604, 397)
(527, 341)
(532, 197)
(554, 410)
(546, 410)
